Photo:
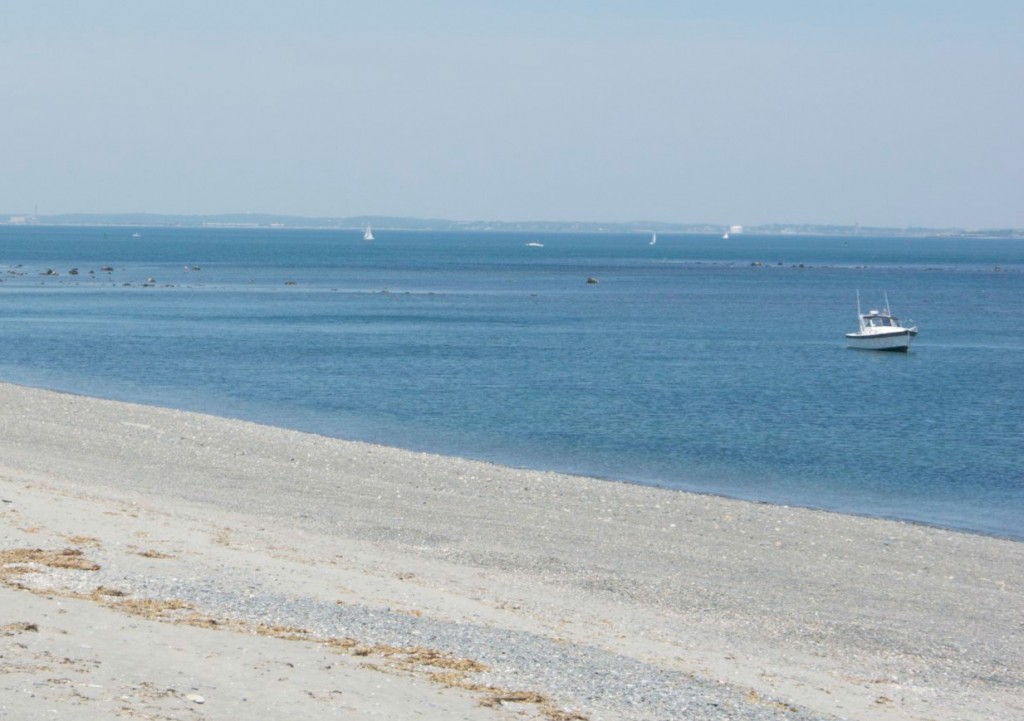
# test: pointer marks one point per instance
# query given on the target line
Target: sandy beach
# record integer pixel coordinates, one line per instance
(166, 565)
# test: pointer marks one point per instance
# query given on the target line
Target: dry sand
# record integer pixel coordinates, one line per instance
(165, 565)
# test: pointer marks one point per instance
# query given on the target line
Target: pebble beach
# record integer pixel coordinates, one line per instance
(169, 565)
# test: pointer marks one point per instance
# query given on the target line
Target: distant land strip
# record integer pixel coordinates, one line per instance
(266, 220)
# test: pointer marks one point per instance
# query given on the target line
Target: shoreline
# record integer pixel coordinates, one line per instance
(1016, 538)
(701, 601)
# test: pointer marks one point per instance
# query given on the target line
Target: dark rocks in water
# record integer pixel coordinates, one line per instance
(73, 271)
(50, 271)
(107, 269)
(592, 280)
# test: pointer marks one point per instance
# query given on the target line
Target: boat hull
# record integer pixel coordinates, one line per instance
(898, 342)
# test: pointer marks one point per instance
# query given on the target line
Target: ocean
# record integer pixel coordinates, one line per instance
(699, 364)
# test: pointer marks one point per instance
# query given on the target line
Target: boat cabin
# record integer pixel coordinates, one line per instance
(874, 319)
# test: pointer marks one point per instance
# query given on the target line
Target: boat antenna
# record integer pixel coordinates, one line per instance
(887, 311)
(858, 303)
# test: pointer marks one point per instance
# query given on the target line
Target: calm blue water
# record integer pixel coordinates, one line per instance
(686, 366)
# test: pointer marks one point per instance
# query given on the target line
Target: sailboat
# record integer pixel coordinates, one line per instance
(654, 238)
(368, 235)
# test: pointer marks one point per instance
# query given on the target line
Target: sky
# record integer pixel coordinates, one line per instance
(888, 113)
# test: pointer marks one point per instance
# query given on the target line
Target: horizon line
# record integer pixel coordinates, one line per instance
(269, 220)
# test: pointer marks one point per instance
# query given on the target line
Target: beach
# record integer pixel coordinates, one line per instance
(171, 565)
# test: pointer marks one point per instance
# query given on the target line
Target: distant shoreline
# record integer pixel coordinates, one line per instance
(291, 222)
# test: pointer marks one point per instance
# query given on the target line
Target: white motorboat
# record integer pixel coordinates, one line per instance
(880, 331)
(368, 235)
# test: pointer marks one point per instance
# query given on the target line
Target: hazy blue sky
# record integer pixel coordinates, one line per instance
(879, 112)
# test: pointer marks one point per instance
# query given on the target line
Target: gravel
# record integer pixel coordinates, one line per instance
(594, 682)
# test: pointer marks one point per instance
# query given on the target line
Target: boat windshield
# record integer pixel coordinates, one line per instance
(880, 321)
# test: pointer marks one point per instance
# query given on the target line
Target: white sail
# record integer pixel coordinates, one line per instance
(368, 235)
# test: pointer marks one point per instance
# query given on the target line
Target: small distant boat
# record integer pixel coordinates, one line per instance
(654, 238)
(880, 331)
(368, 234)
(725, 235)
(136, 235)
(534, 244)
